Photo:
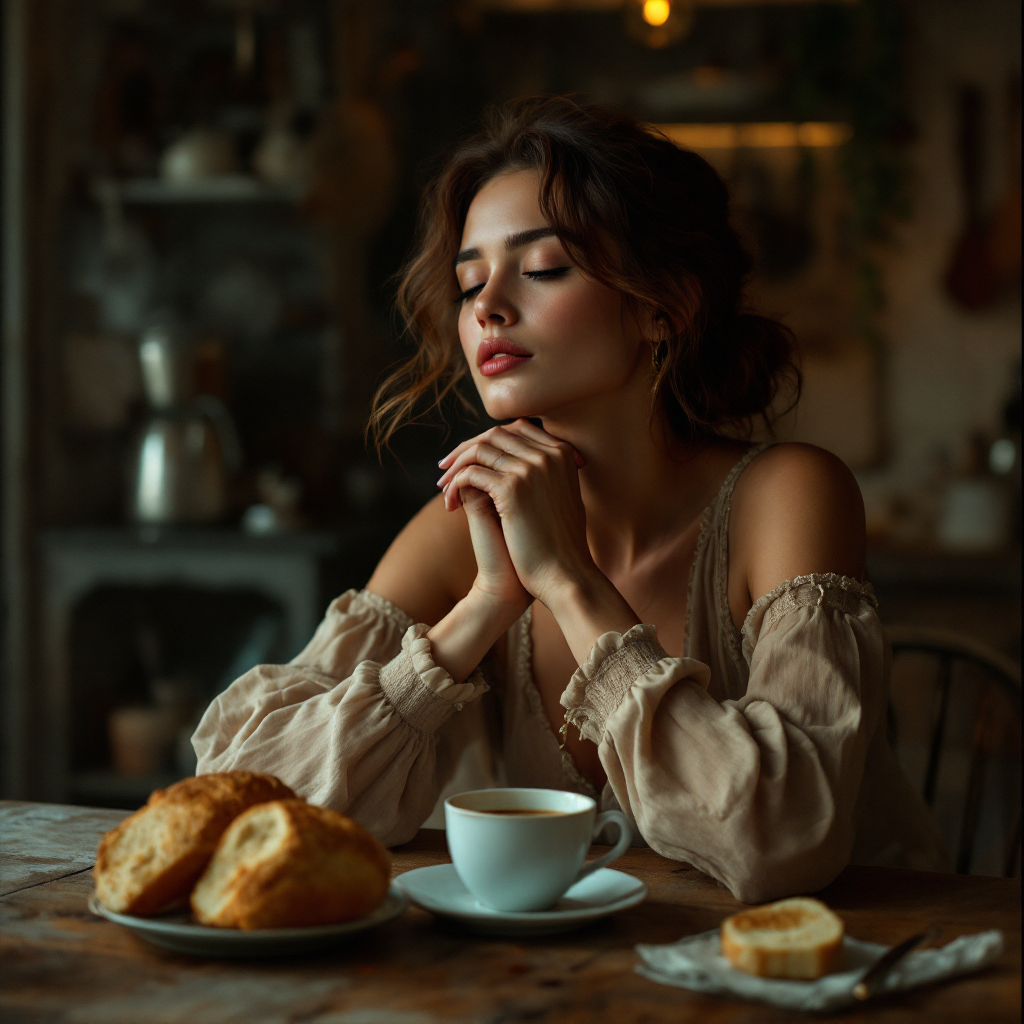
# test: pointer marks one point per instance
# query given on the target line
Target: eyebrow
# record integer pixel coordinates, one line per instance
(520, 238)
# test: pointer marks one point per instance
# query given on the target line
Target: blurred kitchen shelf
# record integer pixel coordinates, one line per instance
(317, 542)
(108, 789)
(932, 567)
(229, 188)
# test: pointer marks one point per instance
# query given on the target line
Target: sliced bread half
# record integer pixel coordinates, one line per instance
(288, 864)
(153, 858)
(796, 938)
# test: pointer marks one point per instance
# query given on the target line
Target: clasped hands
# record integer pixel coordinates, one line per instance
(520, 488)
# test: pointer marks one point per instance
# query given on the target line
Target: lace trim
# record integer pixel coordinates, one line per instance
(388, 609)
(536, 704)
(733, 636)
(704, 538)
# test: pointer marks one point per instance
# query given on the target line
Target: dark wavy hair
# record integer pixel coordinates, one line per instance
(633, 211)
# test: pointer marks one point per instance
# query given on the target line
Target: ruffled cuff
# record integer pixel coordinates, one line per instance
(422, 692)
(613, 666)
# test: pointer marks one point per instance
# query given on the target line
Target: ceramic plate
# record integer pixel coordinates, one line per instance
(440, 890)
(181, 933)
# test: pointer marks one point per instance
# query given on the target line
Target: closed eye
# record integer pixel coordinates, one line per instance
(544, 275)
(534, 275)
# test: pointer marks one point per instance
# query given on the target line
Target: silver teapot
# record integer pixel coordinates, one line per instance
(188, 448)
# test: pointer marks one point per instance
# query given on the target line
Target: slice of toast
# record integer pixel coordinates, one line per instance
(797, 938)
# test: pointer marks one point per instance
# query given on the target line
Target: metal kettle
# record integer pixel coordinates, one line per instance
(188, 448)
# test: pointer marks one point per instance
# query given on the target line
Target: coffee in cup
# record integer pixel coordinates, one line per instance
(519, 850)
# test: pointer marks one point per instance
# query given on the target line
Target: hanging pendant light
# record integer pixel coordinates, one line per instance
(658, 23)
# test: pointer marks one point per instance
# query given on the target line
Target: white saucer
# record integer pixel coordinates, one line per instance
(181, 933)
(440, 890)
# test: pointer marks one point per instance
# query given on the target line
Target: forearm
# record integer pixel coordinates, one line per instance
(462, 638)
(586, 608)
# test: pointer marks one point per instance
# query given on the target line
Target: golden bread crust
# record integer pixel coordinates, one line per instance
(153, 858)
(288, 864)
(798, 938)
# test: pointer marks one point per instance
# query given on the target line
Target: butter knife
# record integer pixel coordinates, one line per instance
(873, 979)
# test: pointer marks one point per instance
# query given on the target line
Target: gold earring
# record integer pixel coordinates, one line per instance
(657, 355)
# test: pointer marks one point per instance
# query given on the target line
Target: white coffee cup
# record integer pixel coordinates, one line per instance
(520, 849)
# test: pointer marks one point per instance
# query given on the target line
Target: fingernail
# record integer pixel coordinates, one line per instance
(580, 461)
(438, 484)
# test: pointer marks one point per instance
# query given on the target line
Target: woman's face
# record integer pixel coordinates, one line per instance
(540, 336)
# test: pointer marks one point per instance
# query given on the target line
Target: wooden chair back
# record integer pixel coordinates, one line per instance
(1002, 673)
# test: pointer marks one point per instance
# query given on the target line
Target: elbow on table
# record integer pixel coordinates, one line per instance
(764, 878)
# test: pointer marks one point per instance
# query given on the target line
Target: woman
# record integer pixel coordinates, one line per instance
(583, 271)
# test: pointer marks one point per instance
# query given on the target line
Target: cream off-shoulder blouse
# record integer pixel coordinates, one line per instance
(760, 756)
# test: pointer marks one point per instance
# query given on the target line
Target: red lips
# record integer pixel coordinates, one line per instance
(496, 355)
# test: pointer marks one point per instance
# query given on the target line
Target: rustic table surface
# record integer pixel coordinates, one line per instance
(60, 963)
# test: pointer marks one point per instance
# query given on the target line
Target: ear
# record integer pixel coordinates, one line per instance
(656, 327)
(647, 322)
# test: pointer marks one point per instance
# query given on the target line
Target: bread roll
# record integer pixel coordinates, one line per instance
(796, 938)
(153, 858)
(288, 864)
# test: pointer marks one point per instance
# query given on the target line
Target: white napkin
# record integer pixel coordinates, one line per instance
(696, 962)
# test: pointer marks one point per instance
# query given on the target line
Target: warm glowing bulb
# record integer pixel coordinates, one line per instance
(656, 12)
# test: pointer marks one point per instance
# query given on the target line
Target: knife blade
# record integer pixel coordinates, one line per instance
(871, 981)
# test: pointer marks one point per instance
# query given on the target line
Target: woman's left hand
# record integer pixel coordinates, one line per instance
(532, 479)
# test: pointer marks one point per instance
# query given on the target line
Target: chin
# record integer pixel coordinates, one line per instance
(504, 411)
(504, 402)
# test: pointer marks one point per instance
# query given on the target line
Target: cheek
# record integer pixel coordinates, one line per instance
(468, 330)
(588, 320)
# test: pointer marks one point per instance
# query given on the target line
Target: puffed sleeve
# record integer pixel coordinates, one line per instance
(761, 792)
(356, 722)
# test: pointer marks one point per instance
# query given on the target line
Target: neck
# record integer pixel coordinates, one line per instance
(640, 486)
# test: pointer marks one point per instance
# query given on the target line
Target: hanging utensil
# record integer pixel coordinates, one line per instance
(971, 280)
(1004, 228)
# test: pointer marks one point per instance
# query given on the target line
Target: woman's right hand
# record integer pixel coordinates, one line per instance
(494, 602)
(496, 580)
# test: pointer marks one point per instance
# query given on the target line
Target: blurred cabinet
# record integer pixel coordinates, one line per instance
(197, 589)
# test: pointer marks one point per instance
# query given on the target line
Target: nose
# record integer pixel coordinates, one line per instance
(493, 307)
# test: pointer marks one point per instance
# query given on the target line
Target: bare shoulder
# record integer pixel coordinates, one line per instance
(429, 565)
(796, 510)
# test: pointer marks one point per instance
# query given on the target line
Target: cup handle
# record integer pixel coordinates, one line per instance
(622, 844)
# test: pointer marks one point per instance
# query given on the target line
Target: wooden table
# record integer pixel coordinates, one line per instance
(62, 964)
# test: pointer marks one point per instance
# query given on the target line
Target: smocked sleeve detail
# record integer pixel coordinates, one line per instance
(599, 684)
(422, 692)
(358, 721)
(842, 593)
